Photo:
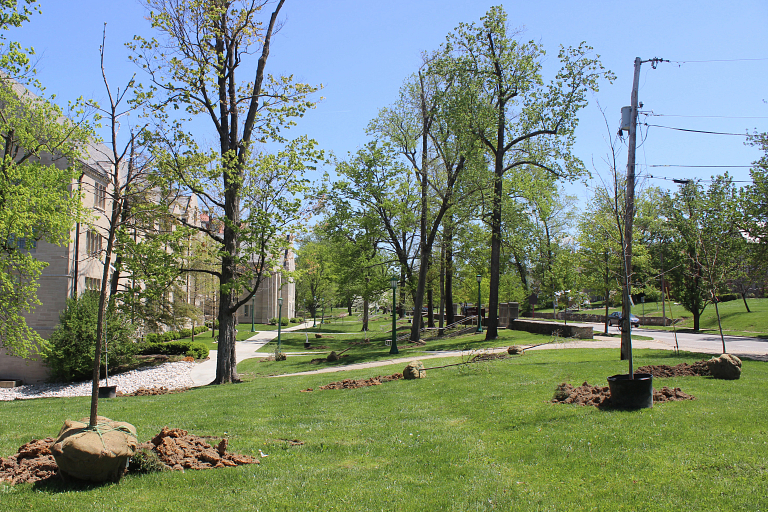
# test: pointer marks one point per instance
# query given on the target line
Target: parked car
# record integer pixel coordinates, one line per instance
(615, 319)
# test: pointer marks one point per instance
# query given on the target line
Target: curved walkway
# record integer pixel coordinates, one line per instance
(205, 372)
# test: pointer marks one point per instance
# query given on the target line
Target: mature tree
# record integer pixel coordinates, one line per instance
(424, 128)
(706, 235)
(15, 62)
(255, 193)
(374, 184)
(41, 146)
(754, 198)
(521, 122)
(314, 266)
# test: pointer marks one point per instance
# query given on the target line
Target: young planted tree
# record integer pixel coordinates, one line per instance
(256, 194)
(521, 122)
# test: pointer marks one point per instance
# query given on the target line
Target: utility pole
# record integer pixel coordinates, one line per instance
(626, 307)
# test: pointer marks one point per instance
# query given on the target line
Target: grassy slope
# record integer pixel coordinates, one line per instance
(465, 438)
(732, 313)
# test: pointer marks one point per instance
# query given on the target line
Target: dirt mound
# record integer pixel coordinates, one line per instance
(360, 383)
(600, 396)
(180, 450)
(490, 356)
(679, 370)
(153, 391)
(33, 462)
(175, 448)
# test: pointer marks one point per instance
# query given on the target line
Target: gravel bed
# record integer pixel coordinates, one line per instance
(171, 375)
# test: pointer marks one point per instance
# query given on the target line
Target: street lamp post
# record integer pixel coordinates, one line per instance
(279, 322)
(253, 301)
(479, 319)
(393, 349)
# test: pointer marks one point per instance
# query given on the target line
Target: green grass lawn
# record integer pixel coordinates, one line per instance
(480, 437)
(243, 333)
(733, 315)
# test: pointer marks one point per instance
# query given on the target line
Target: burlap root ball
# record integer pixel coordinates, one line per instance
(96, 454)
(725, 367)
(414, 370)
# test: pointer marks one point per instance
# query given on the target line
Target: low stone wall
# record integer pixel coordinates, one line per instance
(550, 328)
(585, 317)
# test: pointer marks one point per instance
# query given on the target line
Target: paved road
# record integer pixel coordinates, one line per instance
(709, 343)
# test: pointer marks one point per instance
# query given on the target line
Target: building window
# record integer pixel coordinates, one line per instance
(93, 242)
(91, 283)
(99, 195)
(21, 243)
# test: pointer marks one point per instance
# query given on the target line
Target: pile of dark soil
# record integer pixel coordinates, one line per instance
(175, 448)
(359, 383)
(600, 396)
(699, 368)
(153, 391)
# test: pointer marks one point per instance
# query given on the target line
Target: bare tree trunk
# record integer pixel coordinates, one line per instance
(430, 308)
(491, 332)
(365, 314)
(450, 317)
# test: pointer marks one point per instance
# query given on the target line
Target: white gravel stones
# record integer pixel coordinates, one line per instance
(169, 375)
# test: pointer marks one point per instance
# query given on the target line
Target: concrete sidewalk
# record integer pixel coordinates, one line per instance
(204, 373)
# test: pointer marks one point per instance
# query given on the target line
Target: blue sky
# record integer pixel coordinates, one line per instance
(362, 51)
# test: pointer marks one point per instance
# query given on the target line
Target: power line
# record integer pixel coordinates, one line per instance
(715, 60)
(683, 181)
(709, 117)
(696, 131)
(702, 166)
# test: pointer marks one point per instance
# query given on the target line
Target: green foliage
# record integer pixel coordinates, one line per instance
(705, 240)
(283, 322)
(73, 343)
(14, 60)
(35, 203)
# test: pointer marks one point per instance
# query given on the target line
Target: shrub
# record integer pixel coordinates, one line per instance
(194, 349)
(73, 343)
(295, 320)
(172, 335)
(151, 337)
(200, 328)
(197, 350)
(185, 333)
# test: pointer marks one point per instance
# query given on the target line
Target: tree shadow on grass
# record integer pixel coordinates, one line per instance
(56, 484)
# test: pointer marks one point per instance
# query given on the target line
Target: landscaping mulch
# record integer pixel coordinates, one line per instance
(488, 356)
(359, 383)
(153, 391)
(600, 396)
(176, 448)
